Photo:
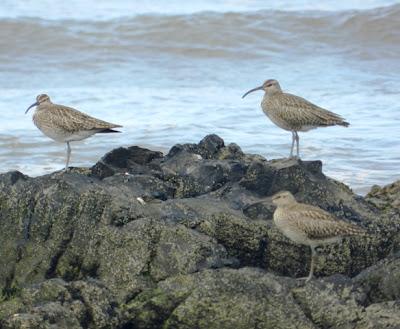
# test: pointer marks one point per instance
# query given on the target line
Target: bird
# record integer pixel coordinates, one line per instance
(65, 124)
(309, 225)
(293, 113)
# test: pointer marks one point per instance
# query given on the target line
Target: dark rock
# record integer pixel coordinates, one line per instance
(259, 210)
(230, 152)
(381, 316)
(13, 177)
(178, 148)
(146, 241)
(192, 175)
(210, 145)
(343, 300)
(126, 160)
(144, 185)
(207, 148)
(58, 304)
(179, 163)
(259, 178)
(290, 172)
(381, 282)
(245, 298)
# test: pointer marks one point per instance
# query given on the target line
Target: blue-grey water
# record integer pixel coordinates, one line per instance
(172, 72)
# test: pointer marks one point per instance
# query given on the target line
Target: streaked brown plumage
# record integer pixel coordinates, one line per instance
(65, 124)
(293, 113)
(309, 225)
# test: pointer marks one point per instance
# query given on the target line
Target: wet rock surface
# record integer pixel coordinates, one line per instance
(186, 240)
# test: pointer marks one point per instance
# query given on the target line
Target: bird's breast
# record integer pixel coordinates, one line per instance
(274, 112)
(288, 228)
(42, 120)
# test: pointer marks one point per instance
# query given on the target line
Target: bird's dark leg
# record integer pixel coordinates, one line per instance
(292, 148)
(296, 135)
(68, 156)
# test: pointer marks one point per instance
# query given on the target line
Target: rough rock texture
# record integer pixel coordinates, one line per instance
(385, 198)
(185, 240)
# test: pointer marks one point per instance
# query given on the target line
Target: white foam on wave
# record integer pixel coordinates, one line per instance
(104, 9)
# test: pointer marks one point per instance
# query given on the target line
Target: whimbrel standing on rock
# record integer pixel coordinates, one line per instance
(309, 225)
(65, 124)
(294, 113)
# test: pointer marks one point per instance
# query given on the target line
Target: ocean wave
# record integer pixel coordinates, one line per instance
(372, 32)
(105, 10)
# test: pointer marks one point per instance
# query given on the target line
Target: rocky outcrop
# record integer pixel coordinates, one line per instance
(185, 240)
(385, 198)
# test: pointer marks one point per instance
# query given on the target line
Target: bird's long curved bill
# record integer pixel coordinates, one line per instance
(251, 90)
(34, 104)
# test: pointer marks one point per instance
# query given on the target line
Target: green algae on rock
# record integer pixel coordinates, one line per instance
(185, 240)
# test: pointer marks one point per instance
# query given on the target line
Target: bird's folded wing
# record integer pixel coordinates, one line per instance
(319, 224)
(297, 108)
(72, 120)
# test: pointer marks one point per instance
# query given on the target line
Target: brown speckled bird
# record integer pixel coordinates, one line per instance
(65, 124)
(309, 225)
(293, 113)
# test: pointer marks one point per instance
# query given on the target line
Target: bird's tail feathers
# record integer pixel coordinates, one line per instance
(108, 130)
(343, 123)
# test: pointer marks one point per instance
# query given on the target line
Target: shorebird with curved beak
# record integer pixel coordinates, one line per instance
(309, 225)
(293, 113)
(65, 124)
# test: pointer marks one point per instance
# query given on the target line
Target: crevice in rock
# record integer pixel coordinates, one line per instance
(28, 219)
(179, 302)
(306, 311)
(91, 271)
(164, 314)
(155, 235)
(51, 271)
(10, 289)
(87, 319)
(26, 229)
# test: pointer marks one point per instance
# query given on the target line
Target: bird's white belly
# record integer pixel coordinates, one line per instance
(334, 239)
(79, 135)
(61, 135)
(295, 236)
(55, 134)
(307, 128)
(290, 232)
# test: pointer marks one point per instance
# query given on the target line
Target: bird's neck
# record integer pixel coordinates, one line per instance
(43, 105)
(285, 205)
(272, 92)
(280, 207)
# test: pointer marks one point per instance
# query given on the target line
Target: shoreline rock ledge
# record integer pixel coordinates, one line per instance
(186, 240)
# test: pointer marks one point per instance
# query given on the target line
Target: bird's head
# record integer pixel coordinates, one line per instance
(270, 86)
(283, 198)
(40, 99)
